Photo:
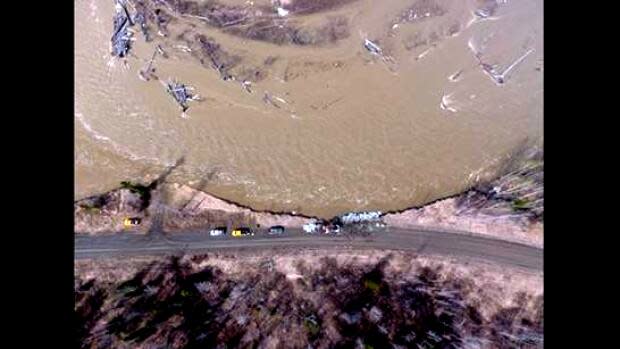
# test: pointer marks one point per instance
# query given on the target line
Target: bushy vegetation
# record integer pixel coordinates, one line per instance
(174, 304)
(518, 191)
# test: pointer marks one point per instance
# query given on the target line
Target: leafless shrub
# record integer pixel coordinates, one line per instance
(171, 303)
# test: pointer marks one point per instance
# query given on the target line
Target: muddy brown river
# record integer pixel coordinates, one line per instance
(321, 125)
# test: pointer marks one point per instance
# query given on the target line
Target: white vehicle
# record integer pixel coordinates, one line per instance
(311, 227)
(219, 231)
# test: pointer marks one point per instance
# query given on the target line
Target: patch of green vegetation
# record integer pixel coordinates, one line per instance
(90, 208)
(520, 204)
(127, 289)
(532, 163)
(312, 327)
(371, 285)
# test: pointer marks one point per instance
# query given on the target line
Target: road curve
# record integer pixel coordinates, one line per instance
(430, 242)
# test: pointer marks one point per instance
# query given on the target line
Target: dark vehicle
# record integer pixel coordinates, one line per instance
(238, 232)
(334, 226)
(276, 230)
(334, 229)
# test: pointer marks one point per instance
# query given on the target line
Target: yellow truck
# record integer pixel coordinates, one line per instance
(239, 232)
(131, 222)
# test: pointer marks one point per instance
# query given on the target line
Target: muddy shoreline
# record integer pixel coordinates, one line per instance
(485, 209)
(511, 204)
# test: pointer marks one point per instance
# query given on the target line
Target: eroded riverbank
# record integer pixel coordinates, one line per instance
(510, 207)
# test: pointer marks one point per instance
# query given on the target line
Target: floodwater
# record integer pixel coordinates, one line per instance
(325, 125)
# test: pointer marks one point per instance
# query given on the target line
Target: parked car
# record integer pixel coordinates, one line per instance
(131, 221)
(312, 227)
(219, 231)
(335, 229)
(276, 230)
(243, 231)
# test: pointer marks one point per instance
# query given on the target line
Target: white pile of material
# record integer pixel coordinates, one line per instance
(358, 217)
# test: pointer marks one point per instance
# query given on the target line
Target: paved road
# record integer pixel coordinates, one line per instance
(422, 241)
